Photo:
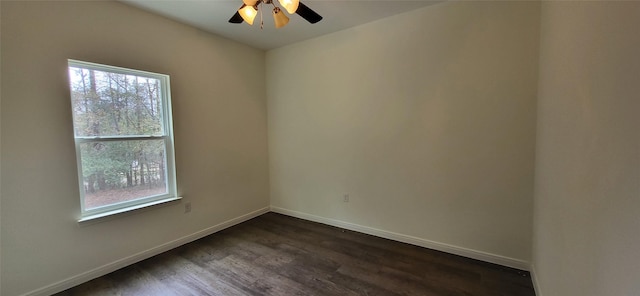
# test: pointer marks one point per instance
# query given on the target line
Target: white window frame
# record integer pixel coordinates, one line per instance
(167, 137)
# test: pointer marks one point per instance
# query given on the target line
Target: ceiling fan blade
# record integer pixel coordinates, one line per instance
(236, 18)
(308, 14)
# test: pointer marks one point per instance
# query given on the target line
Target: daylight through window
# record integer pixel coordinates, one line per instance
(123, 135)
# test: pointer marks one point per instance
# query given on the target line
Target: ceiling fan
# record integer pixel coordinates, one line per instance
(249, 10)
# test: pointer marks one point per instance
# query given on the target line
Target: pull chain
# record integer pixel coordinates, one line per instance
(261, 21)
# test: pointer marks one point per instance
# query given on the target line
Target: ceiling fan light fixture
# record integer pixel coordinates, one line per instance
(279, 18)
(290, 5)
(249, 10)
(248, 14)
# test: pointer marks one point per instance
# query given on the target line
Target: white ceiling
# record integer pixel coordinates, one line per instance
(213, 16)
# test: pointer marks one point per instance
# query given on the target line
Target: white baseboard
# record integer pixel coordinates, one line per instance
(534, 279)
(465, 252)
(113, 266)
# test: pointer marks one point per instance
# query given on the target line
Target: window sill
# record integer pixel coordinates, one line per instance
(127, 210)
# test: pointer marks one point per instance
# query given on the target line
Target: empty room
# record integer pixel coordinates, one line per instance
(330, 148)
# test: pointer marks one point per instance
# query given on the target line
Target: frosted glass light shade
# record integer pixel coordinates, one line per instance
(280, 18)
(250, 2)
(290, 5)
(248, 14)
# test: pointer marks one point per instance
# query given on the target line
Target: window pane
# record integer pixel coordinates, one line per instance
(117, 171)
(114, 104)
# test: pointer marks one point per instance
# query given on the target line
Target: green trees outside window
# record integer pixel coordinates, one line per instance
(122, 126)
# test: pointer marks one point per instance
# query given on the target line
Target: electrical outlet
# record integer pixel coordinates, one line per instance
(345, 197)
(187, 207)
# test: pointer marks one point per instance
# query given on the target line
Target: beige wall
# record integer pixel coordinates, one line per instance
(587, 194)
(220, 133)
(427, 120)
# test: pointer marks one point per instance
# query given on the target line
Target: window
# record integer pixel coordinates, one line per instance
(123, 136)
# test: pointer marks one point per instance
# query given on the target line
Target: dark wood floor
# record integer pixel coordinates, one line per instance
(279, 255)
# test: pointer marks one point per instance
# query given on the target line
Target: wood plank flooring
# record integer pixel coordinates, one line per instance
(275, 254)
